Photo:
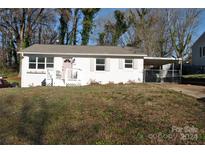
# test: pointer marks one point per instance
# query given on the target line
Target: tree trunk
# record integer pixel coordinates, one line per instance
(39, 35)
(28, 34)
(75, 27)
(22, 29)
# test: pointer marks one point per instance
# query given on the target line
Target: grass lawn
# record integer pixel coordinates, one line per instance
(109, 114)
(198, 76)
(11, 75)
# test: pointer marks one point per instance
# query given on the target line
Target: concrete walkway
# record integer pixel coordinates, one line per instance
(195, 91)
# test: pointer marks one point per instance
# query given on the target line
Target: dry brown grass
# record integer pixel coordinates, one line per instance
(109, 114)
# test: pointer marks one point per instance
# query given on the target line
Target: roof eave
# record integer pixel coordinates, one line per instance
(84, 54)
(198, 39)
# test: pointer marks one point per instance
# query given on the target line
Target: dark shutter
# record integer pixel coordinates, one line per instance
(200, 51)
(204, 51)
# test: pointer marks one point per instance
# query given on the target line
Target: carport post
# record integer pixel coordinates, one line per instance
(173, 72)
(180, 71)
(144, 75)
(161, 73)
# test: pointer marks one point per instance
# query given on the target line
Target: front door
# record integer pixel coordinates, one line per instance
(67, 65)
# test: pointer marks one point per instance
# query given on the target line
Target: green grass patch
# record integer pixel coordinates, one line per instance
(10, 74)
(198, 76)
(109, 114)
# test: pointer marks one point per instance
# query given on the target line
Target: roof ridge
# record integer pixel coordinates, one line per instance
(83, 45)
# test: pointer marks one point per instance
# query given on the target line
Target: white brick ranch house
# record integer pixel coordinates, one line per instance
(63, 65)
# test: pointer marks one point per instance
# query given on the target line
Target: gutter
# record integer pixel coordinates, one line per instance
(162, 58)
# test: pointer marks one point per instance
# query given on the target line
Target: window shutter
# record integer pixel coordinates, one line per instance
(204, 51)
(92, 64)
(200, 51)
(120, 63)
(107, 64)
(135, 64)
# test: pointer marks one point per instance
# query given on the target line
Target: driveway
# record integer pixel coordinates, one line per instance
(192, 90)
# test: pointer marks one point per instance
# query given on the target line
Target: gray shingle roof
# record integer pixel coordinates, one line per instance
(65, 49)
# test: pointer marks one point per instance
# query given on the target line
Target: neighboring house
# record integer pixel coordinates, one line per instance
(63, 65)
(198, 51)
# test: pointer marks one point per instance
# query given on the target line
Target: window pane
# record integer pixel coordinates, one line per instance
(32, 66)
(32, 59)
(100, 67)
(49, 65)
(100, 61)
(41, 66)
(128, 60)
(49, 59)
(128, 65)
(41, 59)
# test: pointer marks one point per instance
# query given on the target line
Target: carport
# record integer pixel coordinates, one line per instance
(162, 69)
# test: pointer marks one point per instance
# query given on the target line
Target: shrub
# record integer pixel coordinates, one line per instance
(94, 82)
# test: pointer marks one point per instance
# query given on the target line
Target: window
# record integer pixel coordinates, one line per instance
(128, 63)
(40, 62)
(100, 64)
(200, 51)
(32, 62)
(49, 62)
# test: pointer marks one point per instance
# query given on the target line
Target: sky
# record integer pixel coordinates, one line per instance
(201, 27)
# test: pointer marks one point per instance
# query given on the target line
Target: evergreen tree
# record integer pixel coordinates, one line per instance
(89, 15)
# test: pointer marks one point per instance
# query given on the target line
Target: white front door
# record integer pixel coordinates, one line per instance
(67, 65)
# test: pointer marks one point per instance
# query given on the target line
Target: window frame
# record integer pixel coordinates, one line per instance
(32, 63)
(127, 63)
(100, 64)
(44, 63)
(37, 63)
(49, 63)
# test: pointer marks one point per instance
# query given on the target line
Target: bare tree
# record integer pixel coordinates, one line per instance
(144, 24)
(160, 32)
(182, 28)
(161, 39)
(20, 26)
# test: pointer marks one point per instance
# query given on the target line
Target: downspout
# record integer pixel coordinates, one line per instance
(144, 71)
(20, 71)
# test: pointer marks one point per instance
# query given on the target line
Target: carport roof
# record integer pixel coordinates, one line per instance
(159, 61)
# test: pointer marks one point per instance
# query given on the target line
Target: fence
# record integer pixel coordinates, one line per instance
(193, 69)
(156, 75)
